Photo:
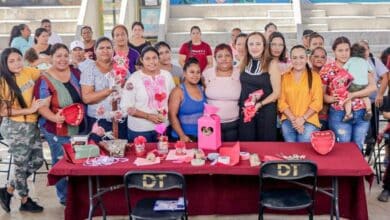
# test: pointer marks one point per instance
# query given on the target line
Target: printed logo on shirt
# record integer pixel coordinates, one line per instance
(29, 84)
(129, 86)
(195, 52)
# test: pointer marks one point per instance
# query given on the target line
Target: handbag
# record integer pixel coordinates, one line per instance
(323, 141)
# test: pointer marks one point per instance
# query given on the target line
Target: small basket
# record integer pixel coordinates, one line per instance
(116, 148)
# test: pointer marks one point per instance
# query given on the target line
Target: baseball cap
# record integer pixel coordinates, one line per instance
(307, 32)
(76, 44)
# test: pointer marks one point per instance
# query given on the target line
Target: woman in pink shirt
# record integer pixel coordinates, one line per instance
(217, 80)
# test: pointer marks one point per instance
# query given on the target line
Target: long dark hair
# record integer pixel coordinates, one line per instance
(282, 57)
(38, 32)
(190, 41)
(15, 32)
(7, 78)
(308, 69)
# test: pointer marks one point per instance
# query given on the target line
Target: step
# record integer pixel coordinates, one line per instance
(352, 22)
(32, 13)
(316, 27)
(227, 23)
(58, 25)
(238, 10)
(280, 13)
(353, 9)
(313, 13)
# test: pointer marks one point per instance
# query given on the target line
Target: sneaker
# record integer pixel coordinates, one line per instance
(384, 196)
(5, 199)
(30, 206)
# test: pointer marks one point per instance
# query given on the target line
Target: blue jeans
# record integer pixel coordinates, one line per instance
(354, 130)
(56, 151)
(151, 136)
(292, 135)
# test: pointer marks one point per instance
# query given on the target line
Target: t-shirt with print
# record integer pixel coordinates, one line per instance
(141, 92)
(92, 76)
(200, 52)
(379, 70)
(329, 75)
(25, 81)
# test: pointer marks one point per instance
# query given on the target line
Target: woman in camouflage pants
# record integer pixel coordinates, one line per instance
(19, 126)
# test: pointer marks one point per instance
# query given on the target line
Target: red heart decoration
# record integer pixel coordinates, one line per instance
(160, 96)
(323, 141)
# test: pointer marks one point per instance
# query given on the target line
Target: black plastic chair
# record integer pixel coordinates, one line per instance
(154, 181)
(303, 176)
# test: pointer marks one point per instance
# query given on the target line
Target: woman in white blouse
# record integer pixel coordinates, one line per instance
(145, 97)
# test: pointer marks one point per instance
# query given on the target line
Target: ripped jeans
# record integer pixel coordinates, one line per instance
(354, 130)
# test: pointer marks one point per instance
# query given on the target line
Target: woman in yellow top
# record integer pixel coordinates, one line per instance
(300, 99)
(19, 126)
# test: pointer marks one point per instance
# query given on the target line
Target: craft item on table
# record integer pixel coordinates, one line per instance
(104, 161)
(209, 129)
(271, 158)
(197, 162)
(292, 156)
(212, 156)
(139, 145)
(79, 140)
(162, 144)
(232, 152)
(86, 151)
(323, 141)
(249, 108)
(223, 160)
(173, 156)
(152, 156)
(139, 161)
(199, 154)
(116, 148)
(254, 160)
(180, 147)
(244, 155)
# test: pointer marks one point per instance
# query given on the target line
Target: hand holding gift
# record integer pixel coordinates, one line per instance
(249, 109)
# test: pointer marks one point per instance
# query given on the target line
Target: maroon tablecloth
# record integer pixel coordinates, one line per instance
(225, 189)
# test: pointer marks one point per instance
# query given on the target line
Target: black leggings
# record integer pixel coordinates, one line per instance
(230, 131)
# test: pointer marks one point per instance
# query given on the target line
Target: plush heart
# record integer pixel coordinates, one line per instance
(73, 114)
(323, 141)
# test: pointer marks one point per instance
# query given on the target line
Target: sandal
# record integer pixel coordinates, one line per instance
(347, 117)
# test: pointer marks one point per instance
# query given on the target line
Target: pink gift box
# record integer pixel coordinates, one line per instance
(209, 129)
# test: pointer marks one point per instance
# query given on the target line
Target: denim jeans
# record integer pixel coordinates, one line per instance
(292, 135)
(354, 130)
(56, 151)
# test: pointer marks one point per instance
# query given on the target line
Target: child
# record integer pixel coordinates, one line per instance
(359, 68)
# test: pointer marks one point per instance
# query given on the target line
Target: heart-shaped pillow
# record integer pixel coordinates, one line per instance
(73, 114)
(323, 141)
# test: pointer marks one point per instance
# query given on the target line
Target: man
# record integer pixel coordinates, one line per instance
(305, 37)
(77, 56)
(53, 37)
(317, 40)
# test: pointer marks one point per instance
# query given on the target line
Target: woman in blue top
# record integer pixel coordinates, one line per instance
(186, 103)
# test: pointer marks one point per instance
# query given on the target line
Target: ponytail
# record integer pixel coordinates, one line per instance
(309, 76)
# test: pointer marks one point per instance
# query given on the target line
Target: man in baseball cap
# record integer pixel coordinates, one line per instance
(77, 52)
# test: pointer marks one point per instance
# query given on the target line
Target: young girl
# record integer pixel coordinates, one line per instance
(19, 126)
(359, 68)
(186, 103)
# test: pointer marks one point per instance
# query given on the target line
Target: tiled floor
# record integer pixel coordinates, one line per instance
(45, 196)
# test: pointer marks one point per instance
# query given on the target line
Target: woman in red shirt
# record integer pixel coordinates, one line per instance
(196, 48)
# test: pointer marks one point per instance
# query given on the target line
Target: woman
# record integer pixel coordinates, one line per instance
(145, 97)
(269, 29)
(164, 50)
(41, 48)
(196, 48)
(121, 46)
(61, 88)
(96, 89)
(217, 79)
(21, 38)
(186, 104)
(300, 99)
(318, 59)
(277, 49)
(240, 48)
(256, 74)
(89, 43)
(331, 74)
(137, 41)
(19, 126)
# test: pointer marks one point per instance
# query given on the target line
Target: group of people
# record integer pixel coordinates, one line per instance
(291, 93)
